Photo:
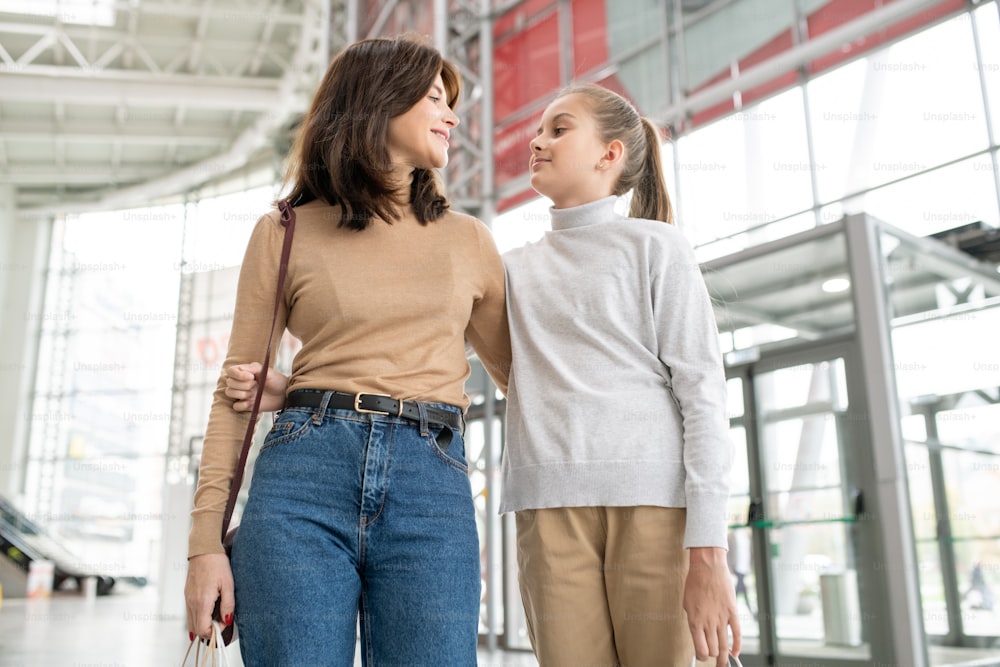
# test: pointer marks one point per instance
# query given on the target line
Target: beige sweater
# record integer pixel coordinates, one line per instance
(385, 310)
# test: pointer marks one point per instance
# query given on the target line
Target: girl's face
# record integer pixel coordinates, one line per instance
(569, 162)
(418, 139)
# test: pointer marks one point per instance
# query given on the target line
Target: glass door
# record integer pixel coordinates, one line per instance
(794, 507)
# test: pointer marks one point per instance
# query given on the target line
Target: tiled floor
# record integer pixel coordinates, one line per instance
(123, 630)
(126, 630)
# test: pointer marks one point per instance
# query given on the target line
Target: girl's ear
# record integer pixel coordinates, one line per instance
(613, 154)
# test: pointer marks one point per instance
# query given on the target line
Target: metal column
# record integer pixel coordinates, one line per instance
(888, 497)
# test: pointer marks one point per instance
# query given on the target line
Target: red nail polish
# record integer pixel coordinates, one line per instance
(229, 619)
(191, 636)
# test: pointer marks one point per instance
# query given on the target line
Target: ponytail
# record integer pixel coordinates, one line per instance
(649, 195)
(642, 172)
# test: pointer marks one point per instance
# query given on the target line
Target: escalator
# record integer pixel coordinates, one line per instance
(23, 541)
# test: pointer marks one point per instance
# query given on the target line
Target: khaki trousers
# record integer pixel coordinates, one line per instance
(604, 586)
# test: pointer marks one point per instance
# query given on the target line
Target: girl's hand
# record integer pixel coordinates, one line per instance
(710, 603)
(209, 578)
(241, 384)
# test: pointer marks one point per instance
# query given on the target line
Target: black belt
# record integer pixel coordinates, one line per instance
(375, 404)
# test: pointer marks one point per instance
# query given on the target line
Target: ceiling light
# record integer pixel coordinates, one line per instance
(835, 285)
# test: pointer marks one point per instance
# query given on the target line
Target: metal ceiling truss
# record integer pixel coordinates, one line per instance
(180, 97)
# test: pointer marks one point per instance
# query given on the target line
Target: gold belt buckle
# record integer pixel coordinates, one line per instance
(358, 408)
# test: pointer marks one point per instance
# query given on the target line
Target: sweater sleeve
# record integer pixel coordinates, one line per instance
(488, 332)
(688, 345)
(247, 343)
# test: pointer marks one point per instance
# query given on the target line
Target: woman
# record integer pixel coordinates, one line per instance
(360, 505)
(617, 456)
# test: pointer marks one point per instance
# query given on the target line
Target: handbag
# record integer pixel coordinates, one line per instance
(215, 653)
(228, 632)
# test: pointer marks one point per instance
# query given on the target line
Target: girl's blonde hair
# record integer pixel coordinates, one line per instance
(642, 172)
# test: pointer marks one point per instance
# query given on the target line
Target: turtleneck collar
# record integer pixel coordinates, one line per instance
(599, 210)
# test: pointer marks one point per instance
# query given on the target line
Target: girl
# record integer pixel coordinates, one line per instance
(617, 456)
(361, 503)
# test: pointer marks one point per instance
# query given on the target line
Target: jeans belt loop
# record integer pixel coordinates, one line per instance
(422, 409)
(324, 402)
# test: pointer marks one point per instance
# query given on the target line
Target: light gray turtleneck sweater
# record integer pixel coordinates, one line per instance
(617, 393)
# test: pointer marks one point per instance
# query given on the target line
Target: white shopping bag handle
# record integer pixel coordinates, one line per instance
(733, 661)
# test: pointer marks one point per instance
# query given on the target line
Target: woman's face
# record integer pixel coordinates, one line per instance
(418, 138)
(566, 152)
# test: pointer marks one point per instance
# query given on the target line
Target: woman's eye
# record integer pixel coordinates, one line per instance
(558, 131)
(435, 99)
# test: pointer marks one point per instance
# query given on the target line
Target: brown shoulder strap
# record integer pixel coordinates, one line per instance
(288, 221)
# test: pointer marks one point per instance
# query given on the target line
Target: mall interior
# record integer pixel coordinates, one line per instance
(834, 163)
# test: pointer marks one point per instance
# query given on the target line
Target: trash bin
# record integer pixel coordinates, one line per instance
(841, 609)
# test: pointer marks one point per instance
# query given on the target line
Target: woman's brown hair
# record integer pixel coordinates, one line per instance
(341, 154)
(642, 172)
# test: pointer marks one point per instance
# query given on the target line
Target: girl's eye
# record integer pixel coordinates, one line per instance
(558, 131)
(435, 99)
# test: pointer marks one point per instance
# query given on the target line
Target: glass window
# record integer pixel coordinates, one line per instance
(988, 26)
(942, 199)
(932, 599)
(745, 170)
(965, 364)
(218, 229)
(900, 111)
(102, 398)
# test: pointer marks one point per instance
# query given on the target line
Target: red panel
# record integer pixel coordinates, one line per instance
(713, 112)
(526, 67)
(510, 149)
(838, 12)
(516, 18)
(828, 17)
(415, 17)
(590, 35)
(526, 70)
(779, 44)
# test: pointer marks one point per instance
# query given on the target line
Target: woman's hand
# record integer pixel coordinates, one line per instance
(710, 603)
(241, 384)
(209, 578)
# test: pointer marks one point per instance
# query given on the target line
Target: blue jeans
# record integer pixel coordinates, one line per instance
(358, 515)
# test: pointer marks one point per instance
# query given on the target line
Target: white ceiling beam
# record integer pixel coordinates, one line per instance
(93, 174)
(114, 36)
(80, 59)
(198, 48)
(128, 39)
(263, 44)
(290, 97)
(38, 48)
(224, 12)
(161, 91)
(102, 133)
